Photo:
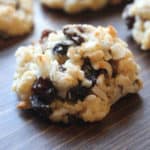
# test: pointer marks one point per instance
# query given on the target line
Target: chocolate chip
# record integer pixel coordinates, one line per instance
(73, 35)
(61, 48)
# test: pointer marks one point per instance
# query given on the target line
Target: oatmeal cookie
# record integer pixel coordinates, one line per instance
(137, 17)
(75, 6)
(79, 71)
(16, 17)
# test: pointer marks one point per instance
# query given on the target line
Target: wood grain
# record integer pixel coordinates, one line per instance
(126, 127)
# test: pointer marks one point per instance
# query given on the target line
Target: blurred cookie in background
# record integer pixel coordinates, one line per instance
(137, 17)
(76, 6)
(16, 17)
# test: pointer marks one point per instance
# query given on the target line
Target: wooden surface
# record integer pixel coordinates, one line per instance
(126, 127)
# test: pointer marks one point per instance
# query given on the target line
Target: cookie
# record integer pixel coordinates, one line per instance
(79, 71)
(137, 17)
(76, 6)
(114, 2)
(16, 17)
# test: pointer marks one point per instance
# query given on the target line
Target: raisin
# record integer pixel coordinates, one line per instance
(114, 65)
(61, 48)
(72, 119)
(90, 72)
(38, 106)
(78, 93)
(74, 36)
(80, 28)
(130, 20)
(44, 90)
(17, 5)
(3, 35)
(62, 69)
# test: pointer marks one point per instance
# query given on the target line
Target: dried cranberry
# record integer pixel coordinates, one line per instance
(78, 93)
(74, 36)
(61, 48)
(90, 72)
(44, 90)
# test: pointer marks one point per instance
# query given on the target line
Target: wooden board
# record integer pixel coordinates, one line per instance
(126, 127)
